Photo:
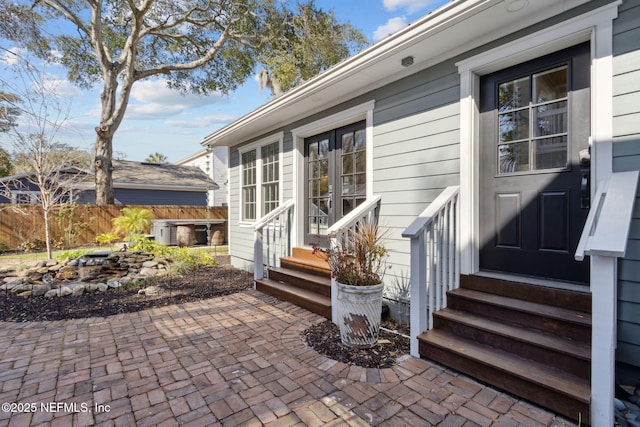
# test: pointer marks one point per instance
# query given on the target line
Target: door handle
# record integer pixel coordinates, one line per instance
(330, 198)
(585, 189)
(585, 178)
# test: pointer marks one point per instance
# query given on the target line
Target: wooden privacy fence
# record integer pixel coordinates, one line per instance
(79, 224)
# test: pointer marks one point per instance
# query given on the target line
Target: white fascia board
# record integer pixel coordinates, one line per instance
(192, 157)
(454, 28)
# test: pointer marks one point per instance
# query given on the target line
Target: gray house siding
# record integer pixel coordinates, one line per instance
(126, 196)
(626, 157)
(242, 234)
(416, 155)
(416, 151)
(160, 197)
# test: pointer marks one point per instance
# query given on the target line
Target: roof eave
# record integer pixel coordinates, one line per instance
(432, 39)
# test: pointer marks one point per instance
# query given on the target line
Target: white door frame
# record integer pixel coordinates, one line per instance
(360, 112)
(595, 26)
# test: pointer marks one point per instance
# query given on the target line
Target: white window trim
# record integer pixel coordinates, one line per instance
(33, 197)
(351, 115)
(595, 26)
(257, 146)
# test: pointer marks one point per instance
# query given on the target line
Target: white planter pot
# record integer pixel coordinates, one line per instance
(359, 309)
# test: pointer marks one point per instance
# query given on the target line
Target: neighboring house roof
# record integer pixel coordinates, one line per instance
(451, 30)
(128, 174)
(144, 176)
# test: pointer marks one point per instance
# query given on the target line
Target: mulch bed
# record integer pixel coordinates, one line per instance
(203, 283)
(324, 338)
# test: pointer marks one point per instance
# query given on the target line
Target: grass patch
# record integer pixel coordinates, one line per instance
(61, 254)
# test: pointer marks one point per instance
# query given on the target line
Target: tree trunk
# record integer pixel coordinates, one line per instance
(110, 119)
(47, 233)
(104, 169)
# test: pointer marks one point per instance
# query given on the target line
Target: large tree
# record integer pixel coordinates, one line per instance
(8, 113)
(196, 45)
(310, 41)
(8, 117)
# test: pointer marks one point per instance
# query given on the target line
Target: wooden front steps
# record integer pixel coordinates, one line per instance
(532, 341)
(303, 279)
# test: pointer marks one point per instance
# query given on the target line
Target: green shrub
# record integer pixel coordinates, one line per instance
(141, 243)
(73, 254)
(133, 221)
(181, 260)
(107, 238)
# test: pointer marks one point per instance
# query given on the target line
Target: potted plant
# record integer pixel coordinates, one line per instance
(358, 262)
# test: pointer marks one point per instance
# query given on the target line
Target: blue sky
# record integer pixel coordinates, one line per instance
(164, 121)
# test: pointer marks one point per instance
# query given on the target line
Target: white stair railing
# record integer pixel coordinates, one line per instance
(435, 260)
(604, 238)
(272, 239)
(339, 234)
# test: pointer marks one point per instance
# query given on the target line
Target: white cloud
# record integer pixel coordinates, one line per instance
(201, 121)
(411, 6)
(391, 26)
(61, 87)
(152, 99)
(12, 56)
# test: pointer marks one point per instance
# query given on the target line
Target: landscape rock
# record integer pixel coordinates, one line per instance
(94, 272)
(149, 290)
(52, 293)
(148, 272)
(40, 290)
(125, 280)
(65, 291)
(91, 288)
(22, 288)
(69, 271)
(11, 282)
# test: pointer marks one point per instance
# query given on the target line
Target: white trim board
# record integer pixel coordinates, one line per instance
(595, 26)
(363, 111)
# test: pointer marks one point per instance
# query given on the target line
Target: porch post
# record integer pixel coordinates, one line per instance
(419, 300)
(334, 288)
(258, 263)
(603, 338)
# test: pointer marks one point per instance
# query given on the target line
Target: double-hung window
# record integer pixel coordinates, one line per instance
(260, 179)
(249, 197)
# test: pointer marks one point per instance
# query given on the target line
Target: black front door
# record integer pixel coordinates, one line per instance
(534, 131)
(335, 177)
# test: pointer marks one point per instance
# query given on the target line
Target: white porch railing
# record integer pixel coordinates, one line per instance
(435, 260)
(604, 238)
(272, 239)
(339, 232)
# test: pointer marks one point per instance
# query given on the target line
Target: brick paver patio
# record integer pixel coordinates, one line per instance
(232, 361)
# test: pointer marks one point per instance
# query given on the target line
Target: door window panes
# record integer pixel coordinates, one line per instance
(319, 187)
(533, 122)
(353, 170)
